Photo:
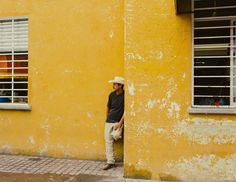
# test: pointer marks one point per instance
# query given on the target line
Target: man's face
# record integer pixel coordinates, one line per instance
(117, 86)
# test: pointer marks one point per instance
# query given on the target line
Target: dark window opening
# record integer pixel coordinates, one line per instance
(214, 72)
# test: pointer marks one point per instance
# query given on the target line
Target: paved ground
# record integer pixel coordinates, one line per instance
(21, 177)
(19, 168)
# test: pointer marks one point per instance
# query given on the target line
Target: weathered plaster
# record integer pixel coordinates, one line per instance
(202, 131)
(43, 151)
(134, 56)
(32, 140)
(159, 129)
(6, 148)
(131, 88)
(203, 168)
(174, 110)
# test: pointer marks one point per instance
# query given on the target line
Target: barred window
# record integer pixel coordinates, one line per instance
(214, 49)
(14, 60)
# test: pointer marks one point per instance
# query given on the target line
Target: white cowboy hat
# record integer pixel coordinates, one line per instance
(118, 79)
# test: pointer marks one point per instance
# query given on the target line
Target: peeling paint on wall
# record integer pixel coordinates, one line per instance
(43, 151)
(174, 110)
(46, 127)
(131, 88)
(90, 115)
(203, 168)
(111, 34)
(203, 131)
(151, 103)
(68, 70)
(134, 56)
(169, 94)
(156, 55)
(143, 128)
(161, 58)
(58, 118)
(6, 148)
(31, 140)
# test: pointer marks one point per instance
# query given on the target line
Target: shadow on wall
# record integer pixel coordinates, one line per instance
(119, 149)
(168, 177)
(132, 172)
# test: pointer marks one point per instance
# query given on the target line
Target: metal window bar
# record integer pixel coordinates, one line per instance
(215, 76)
(216, 96)
(214, 8)
(192, 71)
(5, 89)
(233, 42)
(14, 96)
(212, 57)
(215, 18)
(220, 67)
(212, 106)
(14, 82)
(212, 86)
(212, 47)
(214, 27)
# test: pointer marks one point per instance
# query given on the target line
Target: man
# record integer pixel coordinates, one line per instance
(115, 118)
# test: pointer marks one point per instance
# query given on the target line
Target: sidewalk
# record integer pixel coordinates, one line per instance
(20, 168)
(54, 169)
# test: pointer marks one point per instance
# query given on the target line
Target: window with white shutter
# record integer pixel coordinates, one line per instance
(214, 53)
(14, 60)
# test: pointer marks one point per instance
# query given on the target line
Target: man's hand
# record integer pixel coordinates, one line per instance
(116, 126)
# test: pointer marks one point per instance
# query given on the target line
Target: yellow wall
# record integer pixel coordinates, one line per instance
(162, 141)
(74, 48)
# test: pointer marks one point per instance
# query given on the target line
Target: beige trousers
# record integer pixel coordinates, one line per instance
(109, 141)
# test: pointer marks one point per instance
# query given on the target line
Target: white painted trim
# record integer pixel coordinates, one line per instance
(14, 17)
(14, 106)
(207, 110)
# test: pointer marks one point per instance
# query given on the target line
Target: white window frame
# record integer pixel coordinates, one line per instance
(198, 109)
(13, 105)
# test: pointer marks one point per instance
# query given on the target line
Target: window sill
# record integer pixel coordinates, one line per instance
(207, 110)
(9, 106)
